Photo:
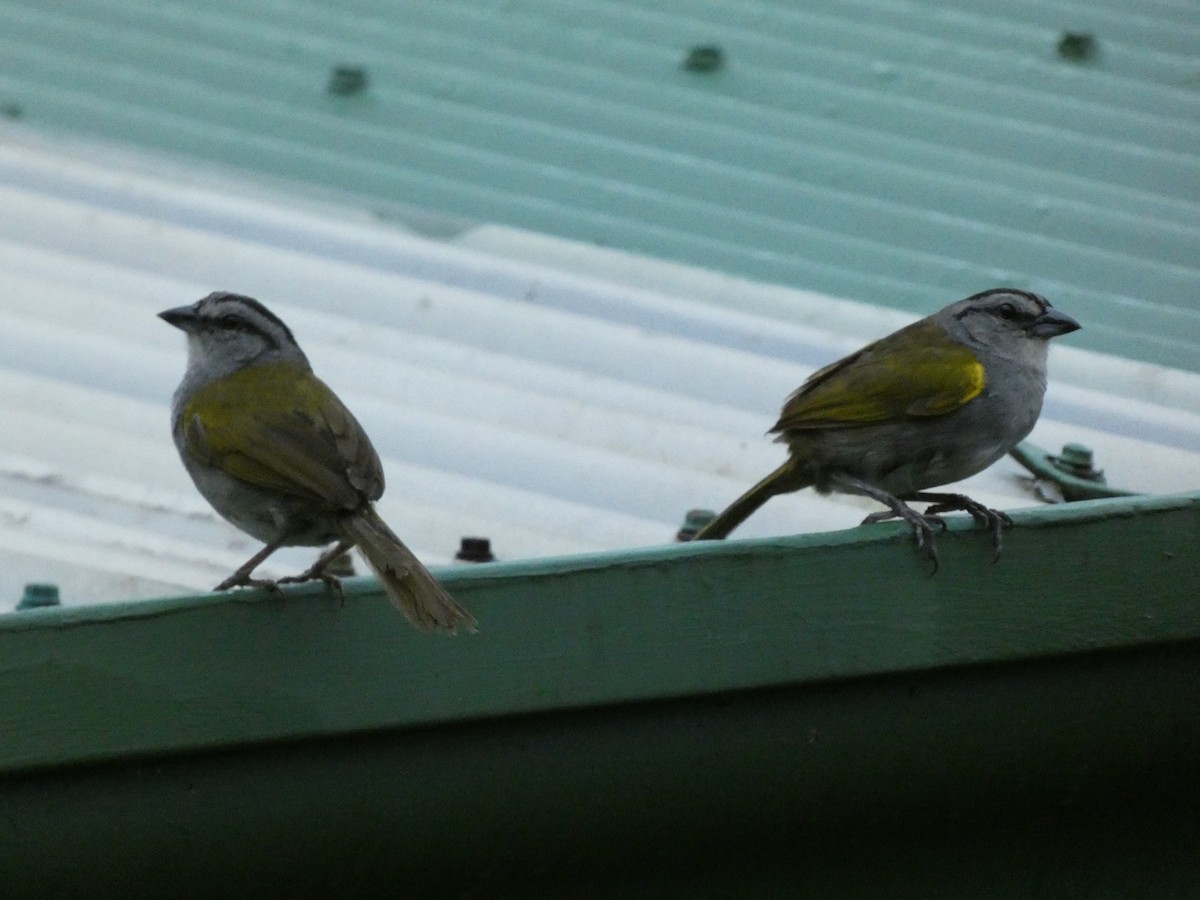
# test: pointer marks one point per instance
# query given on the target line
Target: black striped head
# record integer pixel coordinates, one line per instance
(227, 331)
(1009, 321)
(1015, 310)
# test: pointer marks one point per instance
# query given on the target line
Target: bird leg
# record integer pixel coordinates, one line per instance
(925, 526)
(317, 571)
(984, 516)
(241, 578)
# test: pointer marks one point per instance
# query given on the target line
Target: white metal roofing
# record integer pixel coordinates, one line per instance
(887, 151)
(552, 396)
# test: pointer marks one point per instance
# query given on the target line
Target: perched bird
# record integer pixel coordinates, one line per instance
(930, 404)
(275, 452)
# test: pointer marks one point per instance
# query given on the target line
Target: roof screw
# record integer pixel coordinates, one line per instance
(39, 595)
(1077, 46)
(704, 58)
(347, 80)
(693, 522)
(475, 550)
(1077, 460)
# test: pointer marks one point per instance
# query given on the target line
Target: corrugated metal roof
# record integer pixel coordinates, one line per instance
(890, 151)
(581, 402)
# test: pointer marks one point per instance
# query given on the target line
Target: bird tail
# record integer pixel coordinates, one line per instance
(407, 582)
(781, 481)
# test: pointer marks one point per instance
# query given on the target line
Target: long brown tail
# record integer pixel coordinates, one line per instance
(407, 582)
(783, 480)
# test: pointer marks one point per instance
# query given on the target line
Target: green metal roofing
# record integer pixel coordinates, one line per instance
(901, 153)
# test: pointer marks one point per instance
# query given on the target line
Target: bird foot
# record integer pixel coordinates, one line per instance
(926, 525)
(273, 584)
(925, 528)
(984, 516)
(316, 572)
(319, 571)
(243, 579)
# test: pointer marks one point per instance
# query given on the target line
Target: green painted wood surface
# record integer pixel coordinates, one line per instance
(801, 717)
(1065, 778)
(89, 684)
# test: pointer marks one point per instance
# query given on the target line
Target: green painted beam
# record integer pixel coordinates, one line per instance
(99, 683)
(1065, 778)
(802, 717)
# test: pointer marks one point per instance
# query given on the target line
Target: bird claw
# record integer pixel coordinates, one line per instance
(273, 584)
(925, 529)
(984, 516)
(239, 579)
(926, 525)
(318, 574)
(926, 540)
(315, 572)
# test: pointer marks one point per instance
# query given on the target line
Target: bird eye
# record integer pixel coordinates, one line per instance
(228, 321)
(1006, 311)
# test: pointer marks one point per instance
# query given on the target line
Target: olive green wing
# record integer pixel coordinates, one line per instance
(917, 371)
(281, 428)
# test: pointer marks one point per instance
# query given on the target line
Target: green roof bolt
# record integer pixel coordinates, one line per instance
(38, 595)
(1073, 473)
(1077, 460)
(704, 58)
(1077, 46)
(344, 81)
(693, 522)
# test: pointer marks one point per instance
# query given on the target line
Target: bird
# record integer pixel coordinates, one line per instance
(277, 454)
(930, 404)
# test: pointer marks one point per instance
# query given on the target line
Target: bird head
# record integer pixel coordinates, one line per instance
(227, 331)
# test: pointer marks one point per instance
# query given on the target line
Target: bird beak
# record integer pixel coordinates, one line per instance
(1051, 323)
(182, 317)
